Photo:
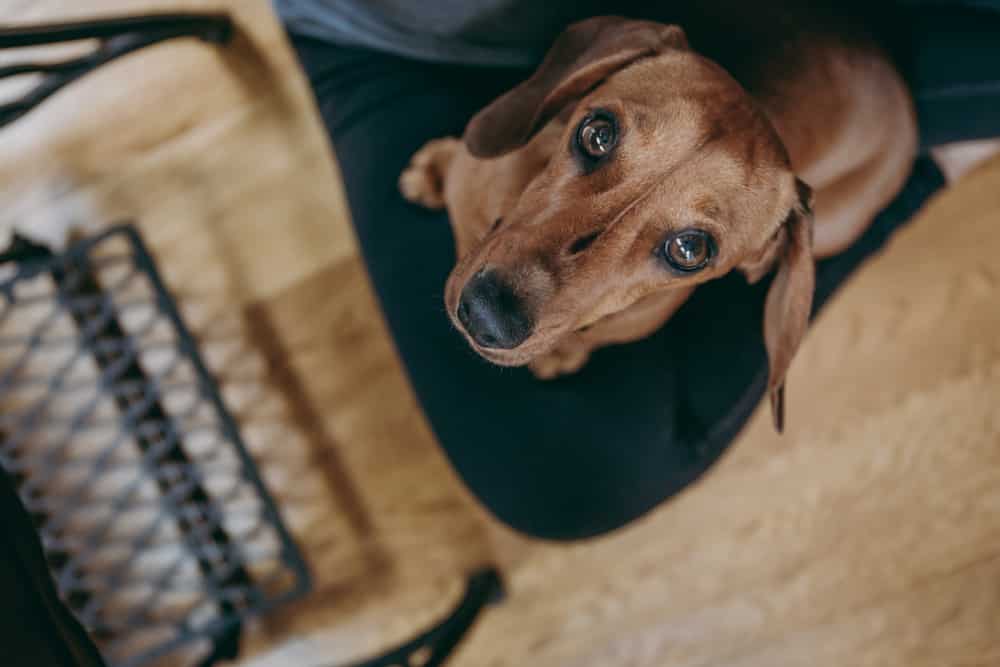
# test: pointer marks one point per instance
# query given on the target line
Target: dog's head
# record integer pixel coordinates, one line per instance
(667, 175)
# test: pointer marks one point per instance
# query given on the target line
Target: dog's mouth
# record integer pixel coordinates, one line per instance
(501, 358)
(519, 356)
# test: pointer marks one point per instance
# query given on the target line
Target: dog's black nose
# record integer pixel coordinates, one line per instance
(492, 314)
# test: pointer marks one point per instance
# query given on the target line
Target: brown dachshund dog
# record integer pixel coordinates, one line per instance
(589, 201)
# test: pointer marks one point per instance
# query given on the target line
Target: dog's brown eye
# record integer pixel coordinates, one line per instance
(597, 136)
(689, 250)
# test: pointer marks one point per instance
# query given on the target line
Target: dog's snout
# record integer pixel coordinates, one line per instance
(492, 313)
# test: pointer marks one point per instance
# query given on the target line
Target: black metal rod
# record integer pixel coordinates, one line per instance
(118, 37)
(76, 280)
(482, 588)
(214, 27)
(91, 302)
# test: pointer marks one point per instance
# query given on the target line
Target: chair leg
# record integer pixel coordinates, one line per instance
(434, 646)
(116, 37)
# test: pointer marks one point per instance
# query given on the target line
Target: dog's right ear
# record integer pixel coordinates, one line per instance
(583, 56)
(789, 299)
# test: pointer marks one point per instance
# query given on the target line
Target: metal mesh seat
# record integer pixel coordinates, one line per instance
(154, 520)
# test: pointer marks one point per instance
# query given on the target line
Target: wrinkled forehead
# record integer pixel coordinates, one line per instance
(716, 190)
(693, 139)
(681, 101)
(676, 76)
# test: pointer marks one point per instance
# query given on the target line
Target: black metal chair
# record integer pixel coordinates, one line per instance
(136, 520)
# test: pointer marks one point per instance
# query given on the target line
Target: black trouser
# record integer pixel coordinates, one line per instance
(577, 456)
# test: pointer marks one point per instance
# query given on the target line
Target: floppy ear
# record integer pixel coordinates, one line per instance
(789, 300)
(583, 56)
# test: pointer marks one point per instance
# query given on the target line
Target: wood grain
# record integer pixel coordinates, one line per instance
(869, 534)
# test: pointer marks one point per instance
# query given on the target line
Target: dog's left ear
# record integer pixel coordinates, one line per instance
(790, 297)
(583, 56)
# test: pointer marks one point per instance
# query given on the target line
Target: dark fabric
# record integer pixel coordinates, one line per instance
(35, 627)
(579, 456)
(953, 66)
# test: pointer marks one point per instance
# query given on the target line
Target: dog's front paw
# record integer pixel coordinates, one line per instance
(422, 182)
(419, 185)
(562, 360)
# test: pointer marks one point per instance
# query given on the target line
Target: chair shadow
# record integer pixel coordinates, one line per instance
(325, 458)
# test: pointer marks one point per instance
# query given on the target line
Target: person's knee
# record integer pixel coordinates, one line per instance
(566, 505)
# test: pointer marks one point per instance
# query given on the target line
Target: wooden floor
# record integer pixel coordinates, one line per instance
(869, 534)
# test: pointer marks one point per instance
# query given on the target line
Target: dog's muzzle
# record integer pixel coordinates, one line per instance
(492, 314)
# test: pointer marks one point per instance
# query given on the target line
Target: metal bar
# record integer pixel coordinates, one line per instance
(118, 37)
(213, 27)
(76, 280)
(482, 588)
(95, 316)
(186, 342)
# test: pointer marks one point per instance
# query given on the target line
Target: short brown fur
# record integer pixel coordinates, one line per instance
(695, 148)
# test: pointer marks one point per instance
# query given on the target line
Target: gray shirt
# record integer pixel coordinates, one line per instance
(475, 32)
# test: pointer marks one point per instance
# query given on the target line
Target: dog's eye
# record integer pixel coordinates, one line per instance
(689, 250)
(597, 135)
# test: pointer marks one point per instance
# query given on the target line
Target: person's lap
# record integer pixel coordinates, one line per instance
(563, 459)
